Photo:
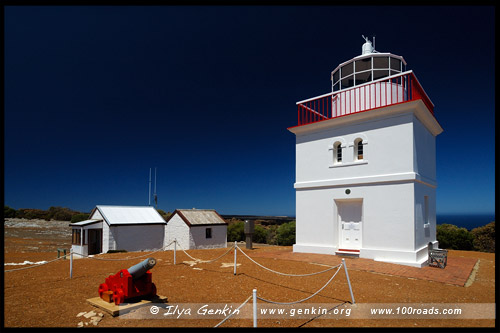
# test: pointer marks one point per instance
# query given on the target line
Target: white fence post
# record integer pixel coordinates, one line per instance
(254, 293)
(348, 281)
(235, 250)
(71, 263)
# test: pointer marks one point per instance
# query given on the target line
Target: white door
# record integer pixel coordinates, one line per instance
(350, 219)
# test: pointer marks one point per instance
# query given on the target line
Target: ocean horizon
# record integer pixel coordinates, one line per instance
(468, 221)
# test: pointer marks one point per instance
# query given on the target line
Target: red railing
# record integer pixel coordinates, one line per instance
(387, 91)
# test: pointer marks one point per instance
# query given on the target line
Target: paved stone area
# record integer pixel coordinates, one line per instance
(456, 272)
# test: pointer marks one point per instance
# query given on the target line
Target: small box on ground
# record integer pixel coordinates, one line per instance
(107, 296)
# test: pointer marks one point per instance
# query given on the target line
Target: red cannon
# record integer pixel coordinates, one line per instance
(128, 283)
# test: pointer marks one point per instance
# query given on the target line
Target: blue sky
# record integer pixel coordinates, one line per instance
(96, 96)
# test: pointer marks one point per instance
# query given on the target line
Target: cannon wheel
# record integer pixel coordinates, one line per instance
(102, 288)
(118, 296)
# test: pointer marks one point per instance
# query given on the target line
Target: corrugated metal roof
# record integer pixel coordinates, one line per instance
(130, 214)
(195, 217)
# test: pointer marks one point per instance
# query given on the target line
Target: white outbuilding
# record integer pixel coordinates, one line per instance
(130, 228)
(196, 229)
(366, 164)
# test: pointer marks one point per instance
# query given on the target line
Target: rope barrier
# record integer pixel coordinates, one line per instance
(287, 274)
(36, 265)
(205, 261)
(305, 299)
(235, 247)
(235, 311)
(87, 256)
(123, 259)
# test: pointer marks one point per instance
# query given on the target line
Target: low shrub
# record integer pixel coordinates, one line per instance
(259, 235)
(285, 234)
(9, 212)
(484, 238)
(452, 237)
(236, 232)
(79, 217)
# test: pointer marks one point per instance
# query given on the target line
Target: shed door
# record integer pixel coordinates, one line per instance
(350, 218)
(95, 241)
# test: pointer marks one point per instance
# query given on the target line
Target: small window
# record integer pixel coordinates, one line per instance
(76, 237)
(359, 150)
(83, 237)
(208, 233)
(338, 152)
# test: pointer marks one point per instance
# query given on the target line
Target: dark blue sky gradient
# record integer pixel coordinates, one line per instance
(95, 96)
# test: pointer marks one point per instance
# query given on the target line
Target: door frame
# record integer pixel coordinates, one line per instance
(337, 204)
(98, 240)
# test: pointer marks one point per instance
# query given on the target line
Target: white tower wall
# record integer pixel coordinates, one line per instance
(393, 185)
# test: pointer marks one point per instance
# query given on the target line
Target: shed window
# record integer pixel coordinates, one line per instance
(208, 233)
(76, 237)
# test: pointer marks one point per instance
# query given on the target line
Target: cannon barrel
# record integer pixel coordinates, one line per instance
(141, 268)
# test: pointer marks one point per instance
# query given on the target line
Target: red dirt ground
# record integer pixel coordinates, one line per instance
(45, 296)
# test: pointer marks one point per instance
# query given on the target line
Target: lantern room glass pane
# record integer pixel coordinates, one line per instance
(363, 64)
(336, 86)
(363, 77)
(380, 62)
(347, 82)
(379, 74)
(395, 64)
(347, 70)
(336, 76)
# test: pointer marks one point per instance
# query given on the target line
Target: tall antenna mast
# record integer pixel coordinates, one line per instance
(149, 193)
(155, 196)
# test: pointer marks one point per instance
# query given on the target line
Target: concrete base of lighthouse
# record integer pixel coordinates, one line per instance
(418, 258)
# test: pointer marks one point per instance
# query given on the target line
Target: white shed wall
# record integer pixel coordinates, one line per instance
(138, 237)
(198, 238)
(177, 229)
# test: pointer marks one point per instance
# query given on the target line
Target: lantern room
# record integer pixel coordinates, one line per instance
(369, 66)
(368, 81)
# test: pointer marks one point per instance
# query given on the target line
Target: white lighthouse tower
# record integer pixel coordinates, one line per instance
(366, 164)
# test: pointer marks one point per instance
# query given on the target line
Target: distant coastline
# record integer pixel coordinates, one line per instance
(469, 221)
